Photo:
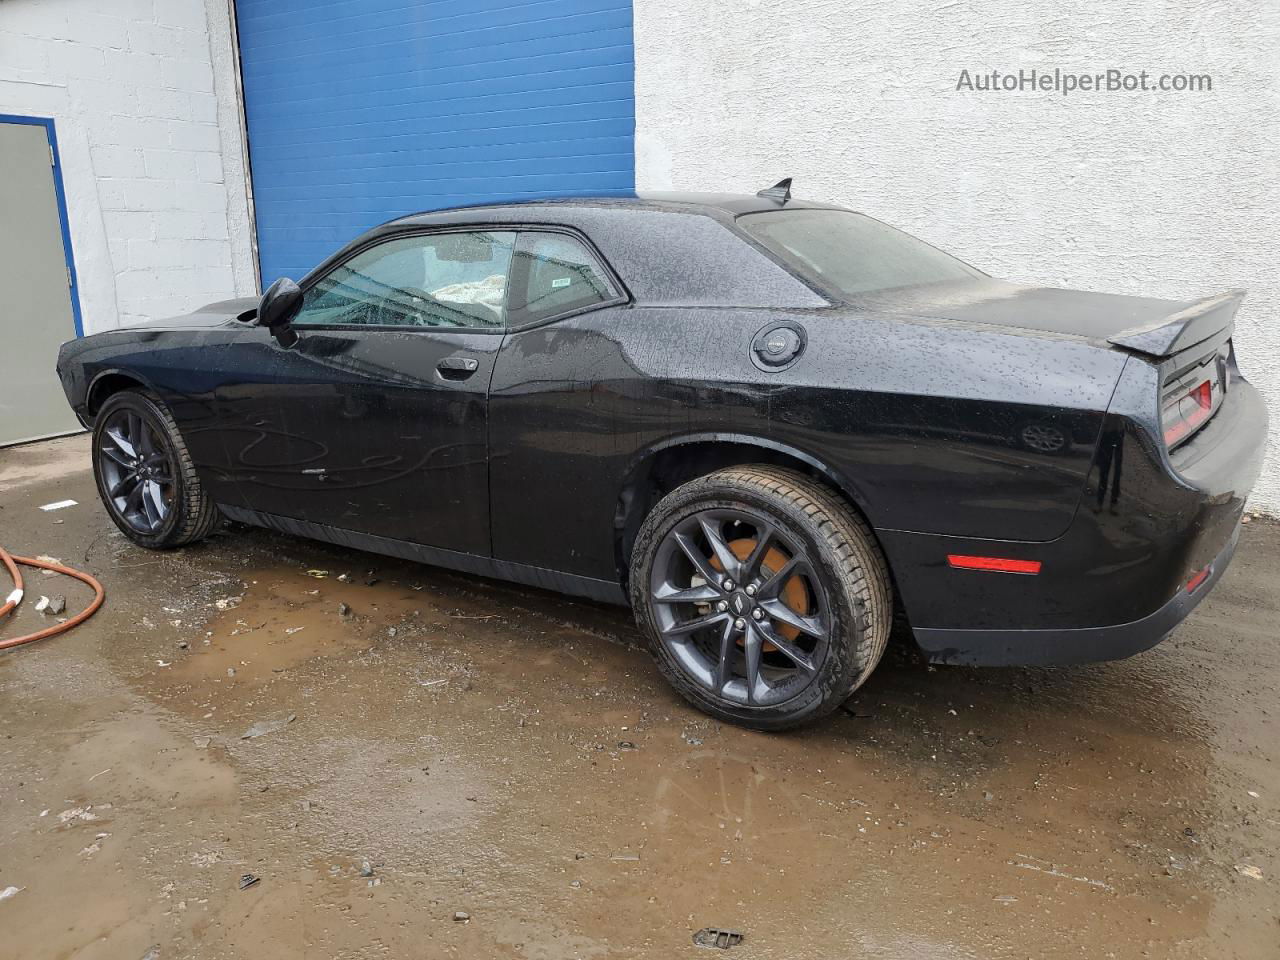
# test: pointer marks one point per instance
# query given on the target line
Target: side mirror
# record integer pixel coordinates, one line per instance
(279, 305)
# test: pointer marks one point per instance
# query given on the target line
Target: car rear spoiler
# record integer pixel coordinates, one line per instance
(1189, 326)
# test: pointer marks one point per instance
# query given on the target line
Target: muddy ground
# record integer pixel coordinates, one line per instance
(463, 745)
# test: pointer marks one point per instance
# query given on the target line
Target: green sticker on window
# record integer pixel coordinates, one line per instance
(560, 282)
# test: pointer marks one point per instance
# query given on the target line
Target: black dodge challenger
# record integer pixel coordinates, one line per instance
(769, 425)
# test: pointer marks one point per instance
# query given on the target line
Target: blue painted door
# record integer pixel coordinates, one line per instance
(359, 111)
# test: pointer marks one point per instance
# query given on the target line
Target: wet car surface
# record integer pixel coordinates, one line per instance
(513, 754)
(613, 353)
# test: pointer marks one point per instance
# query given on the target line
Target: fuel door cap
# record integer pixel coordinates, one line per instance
(777, 345)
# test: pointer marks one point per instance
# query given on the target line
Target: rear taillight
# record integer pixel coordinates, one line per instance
(1193, 394)
(1185, 412)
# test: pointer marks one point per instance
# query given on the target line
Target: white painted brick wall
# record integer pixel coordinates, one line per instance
(1162, 194)
(150, 146)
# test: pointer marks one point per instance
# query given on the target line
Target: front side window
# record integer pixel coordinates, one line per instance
(560, 275)
(850, 253)
(431, 280)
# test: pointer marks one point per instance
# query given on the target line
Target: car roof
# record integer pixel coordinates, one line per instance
(724, 206)
(634, 235)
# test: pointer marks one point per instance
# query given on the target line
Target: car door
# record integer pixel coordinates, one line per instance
(375, 419)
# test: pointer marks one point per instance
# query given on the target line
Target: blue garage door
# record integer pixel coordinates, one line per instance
(363, 110)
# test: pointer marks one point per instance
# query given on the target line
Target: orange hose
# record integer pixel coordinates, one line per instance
(16, 597)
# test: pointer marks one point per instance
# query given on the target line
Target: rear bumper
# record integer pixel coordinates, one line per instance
(1115, 583)
(1002, 648)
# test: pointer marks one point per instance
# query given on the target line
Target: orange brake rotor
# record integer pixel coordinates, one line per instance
(793, 594)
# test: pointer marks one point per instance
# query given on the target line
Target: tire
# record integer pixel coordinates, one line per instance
(847, 592)
(182, 511)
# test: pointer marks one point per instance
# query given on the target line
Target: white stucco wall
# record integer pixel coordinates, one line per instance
(150, 146)
(1166, 194)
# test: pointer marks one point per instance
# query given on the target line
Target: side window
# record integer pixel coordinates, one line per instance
(431, 280)
(559, 273)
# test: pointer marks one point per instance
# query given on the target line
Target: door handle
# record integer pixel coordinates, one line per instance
(457, 368)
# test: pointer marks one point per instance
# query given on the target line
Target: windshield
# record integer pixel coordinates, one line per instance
(851, 253)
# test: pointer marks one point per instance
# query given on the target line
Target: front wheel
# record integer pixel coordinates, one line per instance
(765, 598)
(145, 475)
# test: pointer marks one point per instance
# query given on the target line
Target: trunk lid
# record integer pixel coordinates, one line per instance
(1195, 323)
(1147, 325)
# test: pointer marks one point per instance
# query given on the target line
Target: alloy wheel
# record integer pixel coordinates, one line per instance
(137, 471)
(739, 605)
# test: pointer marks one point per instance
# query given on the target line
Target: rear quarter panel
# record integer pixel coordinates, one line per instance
(924, 424)
(949, 428)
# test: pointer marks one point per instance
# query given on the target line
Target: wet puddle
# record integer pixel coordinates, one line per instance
(513, 756)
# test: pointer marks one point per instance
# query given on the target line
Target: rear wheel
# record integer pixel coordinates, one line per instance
(145, 475)
(765, 598)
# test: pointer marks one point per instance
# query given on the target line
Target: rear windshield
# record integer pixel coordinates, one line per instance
(849, 253)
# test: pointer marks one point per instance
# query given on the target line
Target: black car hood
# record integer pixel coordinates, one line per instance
(210, 315)
(1073, 313)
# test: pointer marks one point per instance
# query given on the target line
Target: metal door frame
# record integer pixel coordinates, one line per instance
(56, 163)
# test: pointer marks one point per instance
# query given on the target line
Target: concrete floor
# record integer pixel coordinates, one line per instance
(514, 755)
